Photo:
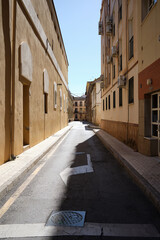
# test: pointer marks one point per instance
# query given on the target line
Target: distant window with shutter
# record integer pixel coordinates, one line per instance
(60, 92)
(64, 104)
(131, 90)
(120, 11)
(120, 55)
(120, 97)
(55, 95)
(130, 37)
(106, 103)
(114, 99)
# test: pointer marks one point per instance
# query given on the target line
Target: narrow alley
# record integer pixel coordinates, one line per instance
(81, 178)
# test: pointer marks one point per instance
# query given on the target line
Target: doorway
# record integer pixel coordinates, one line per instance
(155, 118)
(25, 115)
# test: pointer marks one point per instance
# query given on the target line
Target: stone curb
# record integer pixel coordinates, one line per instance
(20, 173)
(145, 186)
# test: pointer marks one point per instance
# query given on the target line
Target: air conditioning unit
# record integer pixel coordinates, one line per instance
(109, 59)
(114, 51)
(121, 81)
(100, 28)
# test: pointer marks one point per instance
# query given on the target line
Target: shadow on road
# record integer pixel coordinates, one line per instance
(108, 194)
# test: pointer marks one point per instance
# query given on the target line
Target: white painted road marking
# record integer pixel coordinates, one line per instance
(66, 173)
(89, 229)
(17, 193)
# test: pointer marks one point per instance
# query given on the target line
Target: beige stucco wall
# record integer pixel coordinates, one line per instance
(128, 112)
(2, 91)
(41, 124)
(149, 36)
(5, 81)
(53, 35)
(148, 68)
(96, 103)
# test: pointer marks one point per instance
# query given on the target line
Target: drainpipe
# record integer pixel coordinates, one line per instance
(127, 63)
(12, 107)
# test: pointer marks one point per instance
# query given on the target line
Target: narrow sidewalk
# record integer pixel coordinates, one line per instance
(11, 171)
(145, 170)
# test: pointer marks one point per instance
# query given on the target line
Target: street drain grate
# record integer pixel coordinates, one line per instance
(67, 219)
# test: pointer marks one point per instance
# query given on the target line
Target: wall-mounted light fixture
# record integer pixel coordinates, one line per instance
(149, 81)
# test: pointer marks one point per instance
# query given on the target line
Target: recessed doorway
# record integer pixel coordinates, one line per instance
(25, 115)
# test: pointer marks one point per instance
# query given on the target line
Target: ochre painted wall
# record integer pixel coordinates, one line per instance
(5, 80)
(41, 124)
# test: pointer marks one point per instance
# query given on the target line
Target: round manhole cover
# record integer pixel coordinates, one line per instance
(66, 218)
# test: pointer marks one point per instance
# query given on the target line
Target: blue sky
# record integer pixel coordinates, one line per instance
(78, 21)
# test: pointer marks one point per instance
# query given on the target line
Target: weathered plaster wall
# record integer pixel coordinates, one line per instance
(34, 35)
(5, 80)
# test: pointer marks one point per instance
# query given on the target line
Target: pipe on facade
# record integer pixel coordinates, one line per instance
(127, 62)
(12, 99)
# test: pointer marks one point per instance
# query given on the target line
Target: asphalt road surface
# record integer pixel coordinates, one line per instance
(78, 191)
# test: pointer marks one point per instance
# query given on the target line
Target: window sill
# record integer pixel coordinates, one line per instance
(151, 138)
(131, 103)
(130, 58)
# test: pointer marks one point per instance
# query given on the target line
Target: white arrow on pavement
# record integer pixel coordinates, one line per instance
(66, 173)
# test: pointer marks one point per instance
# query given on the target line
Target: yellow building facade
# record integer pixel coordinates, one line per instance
(149, 77)
(119, 68)
(93, 101)
(79, 108)
(34, 75)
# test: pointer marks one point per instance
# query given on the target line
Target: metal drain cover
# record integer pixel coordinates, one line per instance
(66, 219)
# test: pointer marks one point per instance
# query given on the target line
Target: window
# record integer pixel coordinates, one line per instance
(155, 115)
(120, 97)
(106, 103)
(80, 103)
(64, 103)
(80, 110)
(130, 37)
(76, 110)
(120, 11)
(131, 90)
(114, 71)
(109, 105)
(120, 55)
(114, 99)
(113, 25)
(103, 104)
(46, 103)
(76, 104)
(120, 62)
(146, 7)
(60, 92)
(55, 95)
